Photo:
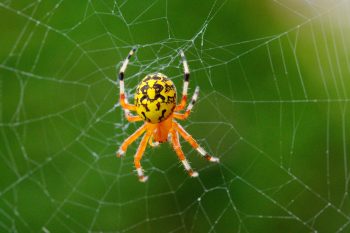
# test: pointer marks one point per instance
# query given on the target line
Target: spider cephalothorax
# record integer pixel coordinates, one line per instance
(155, 98)
(155, 103)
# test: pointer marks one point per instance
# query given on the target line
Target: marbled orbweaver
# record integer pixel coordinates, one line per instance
(155, 104)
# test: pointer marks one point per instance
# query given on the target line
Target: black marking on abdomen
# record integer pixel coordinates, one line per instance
(156, 77)
(144, 115)
(152, 77)
(144, 89)
(159, 96)
(162, 116)
(168, 87)
(146, 107)
(171, 99)
(143, 98)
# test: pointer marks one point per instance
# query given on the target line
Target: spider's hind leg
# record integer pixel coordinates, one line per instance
(194, 144)
(180, 154)
(138, 157)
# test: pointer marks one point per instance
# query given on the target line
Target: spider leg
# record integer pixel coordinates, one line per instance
(185, 85)
(129, 140)
(180, 153)
(193, 143)
(151, 143)
(183, 116)
(132, 118)
(123, 98)
(138, 156)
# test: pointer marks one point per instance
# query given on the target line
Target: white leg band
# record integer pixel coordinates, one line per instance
(120, 152)
(214, 159)
(184, 62)
(139, 172)
(122, 70)
(201, 151)
(155, 144)
(186, 164)
(187, 71)
(186, 68)
(121, 86)
(185, 87)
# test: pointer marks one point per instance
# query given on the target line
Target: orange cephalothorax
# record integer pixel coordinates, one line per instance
(155, 98)
(161, 131)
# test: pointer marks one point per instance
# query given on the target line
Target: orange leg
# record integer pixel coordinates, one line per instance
(132, 118)
(124, 103)
(130, 140)
(193, 143)
(138, 156)
(182, 104)
(181, 116)
(180, 153)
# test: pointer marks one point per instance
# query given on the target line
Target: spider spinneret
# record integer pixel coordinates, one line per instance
(155, 103)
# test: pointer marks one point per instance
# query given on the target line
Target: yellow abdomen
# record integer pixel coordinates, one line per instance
(155, 98)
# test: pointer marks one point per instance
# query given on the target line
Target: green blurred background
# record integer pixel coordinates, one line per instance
(274, 106)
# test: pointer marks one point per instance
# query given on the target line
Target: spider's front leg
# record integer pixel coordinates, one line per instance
(138, 156)
(177, 147)
(123, 98)
(186, 82)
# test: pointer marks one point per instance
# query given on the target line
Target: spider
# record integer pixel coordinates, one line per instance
(155, 104)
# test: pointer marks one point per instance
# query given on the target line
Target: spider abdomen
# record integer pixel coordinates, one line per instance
(155, 98)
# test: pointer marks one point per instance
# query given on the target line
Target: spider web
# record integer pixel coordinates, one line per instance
(273, 106)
